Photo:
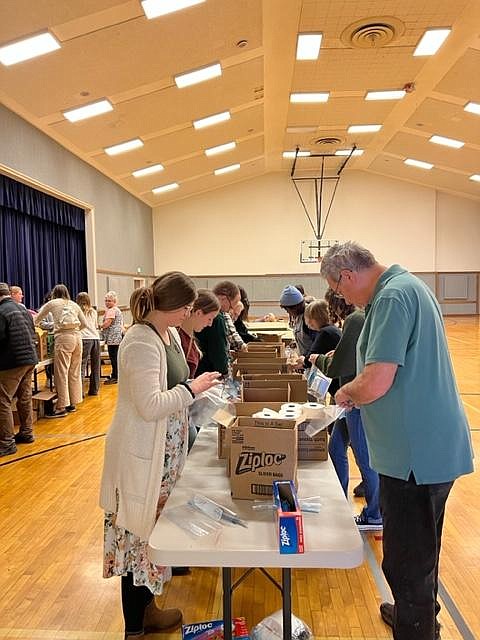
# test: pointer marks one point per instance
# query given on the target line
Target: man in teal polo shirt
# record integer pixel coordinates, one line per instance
(417, 433)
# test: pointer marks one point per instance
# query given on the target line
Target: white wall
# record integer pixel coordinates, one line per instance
(256, 227)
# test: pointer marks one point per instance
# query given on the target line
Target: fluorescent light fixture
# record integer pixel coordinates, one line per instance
(309, 97)
(231, 167)
(475, 177)
(364, 128)
(28, 48)
(129, 145)
(155, 8)
(385, 95)
(301, 129)
(300, 154)
(198, 75)
(221, 148)
(418, 163)
(447, 142)
(308, 46)
(472, 107)
(431, 42)
(165, 187)
(347, 152)
(210, 120)
(88, 110)
(147, 171)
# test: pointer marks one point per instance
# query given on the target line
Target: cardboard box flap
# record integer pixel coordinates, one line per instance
(223, 417)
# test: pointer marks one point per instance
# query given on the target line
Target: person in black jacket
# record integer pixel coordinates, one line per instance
(241, 316)
(317, 318)
(18, 357)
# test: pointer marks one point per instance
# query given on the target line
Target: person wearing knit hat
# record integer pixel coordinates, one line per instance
(291, 299)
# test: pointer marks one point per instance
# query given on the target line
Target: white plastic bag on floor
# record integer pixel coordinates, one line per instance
(271, 628)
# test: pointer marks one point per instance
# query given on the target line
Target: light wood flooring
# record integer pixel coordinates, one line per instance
(51, 542)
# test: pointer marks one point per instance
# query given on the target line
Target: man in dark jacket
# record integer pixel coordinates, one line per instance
(18, 357)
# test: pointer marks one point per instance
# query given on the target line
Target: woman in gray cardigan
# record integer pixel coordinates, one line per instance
(146, 447)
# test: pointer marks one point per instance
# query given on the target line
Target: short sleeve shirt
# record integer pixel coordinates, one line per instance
(419, 425)
(113, 333)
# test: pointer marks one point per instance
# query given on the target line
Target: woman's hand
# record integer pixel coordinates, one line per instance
(204, 381)
(313, 357)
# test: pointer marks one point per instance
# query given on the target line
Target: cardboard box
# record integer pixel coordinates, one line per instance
(261, 451)
(272, 376)
(315, 448)
(266, 394)
(41, 343)
(269, 337)
(298, 387)
(261, 347)
(278, 365)
(289, 518)
(208, 630)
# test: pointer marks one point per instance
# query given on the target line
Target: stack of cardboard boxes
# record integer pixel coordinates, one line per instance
(261, 450)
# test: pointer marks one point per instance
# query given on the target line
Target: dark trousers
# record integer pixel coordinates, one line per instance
(134, 601)
(91, 348)
(412, 533)
(17, 383)
(113, 355)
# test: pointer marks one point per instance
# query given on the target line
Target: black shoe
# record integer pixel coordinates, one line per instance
(21, 438)
(111, 381)
(359, 490)
(93, 393)
(7, 451)
(386, 611)
(56, 414)
(71, 408)
(180, 571)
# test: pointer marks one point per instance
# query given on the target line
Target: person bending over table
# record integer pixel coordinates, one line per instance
(146, 447)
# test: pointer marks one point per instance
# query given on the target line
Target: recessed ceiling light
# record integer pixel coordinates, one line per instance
(292, 154)
(146, 171)
(311, 129)
(155, 8)
(221, 148)
(308, 46)
(475, 177)
(231, 167)
(418, 163)
(129, 145)
(165, 187)
(385, 95)
(211, 120)
(28, 48)
(347, 152)
(472, 107)
(364, 128)
(447, 142)
(309, 97)
(431, 42)
(198, 75)
(88, 110)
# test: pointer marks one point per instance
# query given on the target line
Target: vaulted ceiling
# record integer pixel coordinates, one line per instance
(109, 49)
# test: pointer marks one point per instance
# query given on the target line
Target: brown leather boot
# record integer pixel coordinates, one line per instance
(161, 619)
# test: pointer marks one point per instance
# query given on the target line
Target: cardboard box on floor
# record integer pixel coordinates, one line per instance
(261, 451)
(315, 448)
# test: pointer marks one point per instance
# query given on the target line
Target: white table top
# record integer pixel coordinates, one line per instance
(331, 536)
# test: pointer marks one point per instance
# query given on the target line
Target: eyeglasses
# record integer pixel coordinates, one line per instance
(336, 293)
(188, 307)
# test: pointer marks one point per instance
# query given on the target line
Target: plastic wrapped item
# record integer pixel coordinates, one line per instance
(271, 628)
(323, 419)
(215, 511)
(193, 521)
(317, 382)
(205, 405)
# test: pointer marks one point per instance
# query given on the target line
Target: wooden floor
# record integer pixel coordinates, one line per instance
(51, 542)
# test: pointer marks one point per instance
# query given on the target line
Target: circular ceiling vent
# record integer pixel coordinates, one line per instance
(372, 33)
(326, 140)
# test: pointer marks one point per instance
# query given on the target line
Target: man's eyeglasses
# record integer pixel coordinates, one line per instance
(337, 293)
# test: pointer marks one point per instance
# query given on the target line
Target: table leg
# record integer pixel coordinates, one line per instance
(227, 603)
(287, 603)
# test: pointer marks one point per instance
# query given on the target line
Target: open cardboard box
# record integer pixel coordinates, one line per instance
(267, 394)
(278, 365)
(298, 387)
(278, 348)
(261, 451)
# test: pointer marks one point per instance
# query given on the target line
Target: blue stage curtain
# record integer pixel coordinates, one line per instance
(42, 242)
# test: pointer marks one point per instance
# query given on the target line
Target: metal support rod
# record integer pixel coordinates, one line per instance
(227, 602)
(287, 603)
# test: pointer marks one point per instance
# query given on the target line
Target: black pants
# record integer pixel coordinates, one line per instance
(113, 355)
(134, 601)
(91, 349)
(412, 533)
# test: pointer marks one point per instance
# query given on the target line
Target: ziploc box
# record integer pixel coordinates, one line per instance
(261, 450)
(209, 630)
(289, 518)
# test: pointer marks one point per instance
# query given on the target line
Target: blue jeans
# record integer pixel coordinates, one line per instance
(412, 534)
(349, 430)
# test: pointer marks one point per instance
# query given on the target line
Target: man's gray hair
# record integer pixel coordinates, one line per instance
(348, 255)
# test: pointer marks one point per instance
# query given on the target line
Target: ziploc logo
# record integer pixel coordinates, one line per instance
(249, 461)
(288, 535)
(208, 630)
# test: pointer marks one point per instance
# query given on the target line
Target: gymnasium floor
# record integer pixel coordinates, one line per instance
(51, 551)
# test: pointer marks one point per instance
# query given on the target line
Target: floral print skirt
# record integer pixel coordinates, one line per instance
(125, 552)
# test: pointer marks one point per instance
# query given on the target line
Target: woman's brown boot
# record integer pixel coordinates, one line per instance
(160, 619)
